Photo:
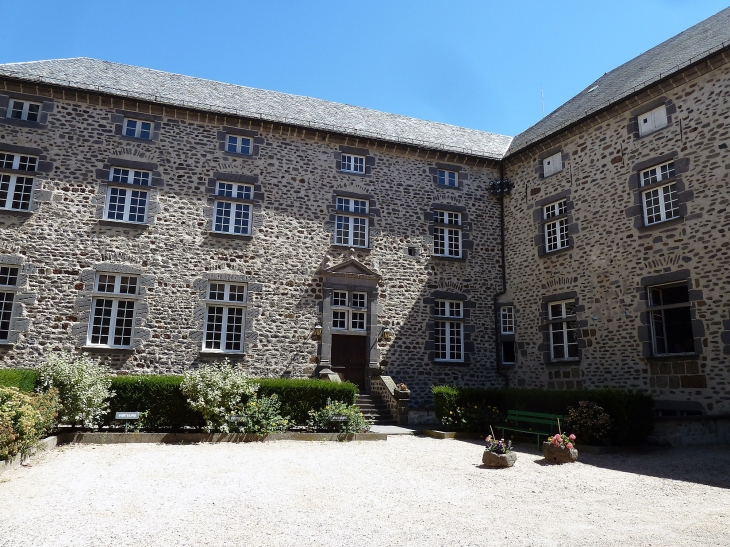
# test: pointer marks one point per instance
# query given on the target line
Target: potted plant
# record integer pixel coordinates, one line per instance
(498, 453)
(402, 391)
(560, 448)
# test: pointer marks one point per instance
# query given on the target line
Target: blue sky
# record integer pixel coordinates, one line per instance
(478, 64)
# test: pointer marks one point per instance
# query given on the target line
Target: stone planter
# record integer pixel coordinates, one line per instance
(491, 459)
(402, 394)
(556, 454)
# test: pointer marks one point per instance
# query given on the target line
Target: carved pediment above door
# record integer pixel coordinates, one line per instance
(351, 268)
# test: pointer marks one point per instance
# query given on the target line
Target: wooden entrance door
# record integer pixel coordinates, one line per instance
(350, 358)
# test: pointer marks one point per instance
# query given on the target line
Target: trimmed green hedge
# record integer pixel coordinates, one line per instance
(631, 411)
(159, 396)
(23, 379)
(299, 396)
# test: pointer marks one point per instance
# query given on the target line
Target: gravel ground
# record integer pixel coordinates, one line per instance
(404, 491)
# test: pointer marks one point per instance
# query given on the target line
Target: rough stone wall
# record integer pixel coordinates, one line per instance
(613, 256)
(297, 175)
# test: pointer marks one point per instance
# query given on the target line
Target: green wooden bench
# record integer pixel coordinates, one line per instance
(533, 423)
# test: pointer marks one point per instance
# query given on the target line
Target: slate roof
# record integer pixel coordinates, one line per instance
(667, 58)
(185, 91)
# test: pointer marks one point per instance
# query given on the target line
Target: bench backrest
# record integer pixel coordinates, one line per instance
(533, 417)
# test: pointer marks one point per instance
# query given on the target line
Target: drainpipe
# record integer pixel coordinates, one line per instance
(502, 189)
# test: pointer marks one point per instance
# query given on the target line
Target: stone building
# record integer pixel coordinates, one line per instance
(162, 221)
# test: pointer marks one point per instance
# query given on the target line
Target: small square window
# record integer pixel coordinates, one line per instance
(137, 128)
(18, 162)
(352, 164)
(8, 276)
(358, 320)
(653, 120)
(339, 298)
(359, 300)
(507, 319)
(238, 145)
(339, 319)
(24, 110)
(448, 178)
(552, 165)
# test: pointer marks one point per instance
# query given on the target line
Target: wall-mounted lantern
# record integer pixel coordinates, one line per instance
(385, 334)
(317, 330)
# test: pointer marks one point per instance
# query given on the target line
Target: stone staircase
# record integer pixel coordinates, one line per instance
(374, 411)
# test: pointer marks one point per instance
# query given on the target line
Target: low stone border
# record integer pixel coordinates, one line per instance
(436, 434)
(49, 443)
(191, 438)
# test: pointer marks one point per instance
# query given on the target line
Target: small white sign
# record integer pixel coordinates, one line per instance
(127, 416)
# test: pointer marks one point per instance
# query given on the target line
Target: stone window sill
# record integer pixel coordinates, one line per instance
(559, 252)
(223, 235)
(216, 353)
(16, 212)
(558, 362)
(23, 123)
(123, 224)
(674, 357)
(345, 247)
(450, 363)
(661, 225)
(109, 350)
(239, 155)
(449, 258)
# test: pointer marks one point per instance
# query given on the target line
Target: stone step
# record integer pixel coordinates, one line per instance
(374, 411)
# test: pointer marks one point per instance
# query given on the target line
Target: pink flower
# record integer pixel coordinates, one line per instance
(569, 446)
(489, 438)
(572, 437)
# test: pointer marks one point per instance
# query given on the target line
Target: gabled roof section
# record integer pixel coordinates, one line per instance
(185, 91)
(670, 57)
(351, 268)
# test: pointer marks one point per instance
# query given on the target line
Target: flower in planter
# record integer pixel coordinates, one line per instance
(562, 440)
(402, 387)
(498, 446)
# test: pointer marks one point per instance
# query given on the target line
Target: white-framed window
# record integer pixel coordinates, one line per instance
(661, 203)
(225, 317)
(448, 330)
(139, 129)
(552, 165)
(351, 230)
(125, 202)
(349, 310)
(556, 231)
(447, 239)
(8, 285)
(18, 162)
(112, 310)
(238, 145)
(448, 178)
(671, 319)
(232, 217)
(352, 164)
(652, 120)
(507, 319)
(16, 191)
(563, 334)
(24, 110)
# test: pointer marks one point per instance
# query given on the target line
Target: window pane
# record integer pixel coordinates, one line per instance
(124, 323)
(145, 130)
(213, 327)
(439, 241)
(675, 294)
(358, 164)
(358, 320)
(105, 283)
(342, 230)
(658, 331)
(452, 178)
(243, 213)
(346, 163)
(27, 163)
(440, 340)
(245, 146)
(117, 201)
(359, 232)
(244, 192)
(4, 189)
(507, 320)
(120, 175)
(343, 204)
(17, 112)
(137, 206)
(8, 276)
(33, 111)
(232, 144)
(359, 206)
(222, 216)
(454, 309)
(455, 341)
(439, 308)
(671, 201)
(339, 319)
(130, 129)
(128, 285)
(569, 308)
(22, 193)
(237, 293)
(358, 300)
(234, 329)
(339, 298)
(678, 328)
(142, 178)
(454, 241)
(216, 291)
(6, 311)
(101, 321)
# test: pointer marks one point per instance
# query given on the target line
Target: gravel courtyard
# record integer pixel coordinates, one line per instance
(404, 491)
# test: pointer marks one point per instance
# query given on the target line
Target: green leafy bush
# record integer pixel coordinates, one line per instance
(83, 387)
(299, 396)
(24, 419)
(160, 399)
(215, 391)
(321, 420)
(262, 415)
(22, 378)
(589, 422)
(631, 411)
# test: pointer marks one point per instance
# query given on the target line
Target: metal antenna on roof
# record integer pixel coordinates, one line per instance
(542, 98)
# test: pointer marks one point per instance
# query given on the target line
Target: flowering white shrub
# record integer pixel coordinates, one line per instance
(82, 384)
(216, 391)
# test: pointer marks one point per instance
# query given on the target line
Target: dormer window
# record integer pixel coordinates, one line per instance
(652, 120)
(137, 128)
(24, 110)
